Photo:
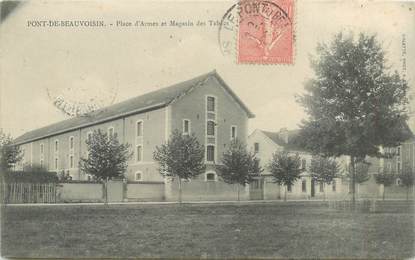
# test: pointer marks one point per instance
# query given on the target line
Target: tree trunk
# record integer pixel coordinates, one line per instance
(324, 191)
(180, 190)
(353, 170)
(285, 194)
(407, 193)
(106, 191)
(238, 192)
(383, 195)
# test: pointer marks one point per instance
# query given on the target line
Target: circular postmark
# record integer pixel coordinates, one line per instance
(258, 31)
(82, 97)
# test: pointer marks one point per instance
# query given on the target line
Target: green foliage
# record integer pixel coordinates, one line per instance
(285, 168)
(107, 157)
(361, 172)
(182, 156)
(355, 104)
(31, 174)
(386, 178)
(324, 169)
(10, 154)
(238, 165)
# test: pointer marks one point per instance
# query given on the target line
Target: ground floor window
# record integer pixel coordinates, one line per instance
(321, 187)
(210, 176)
(304, 186)
(289, 188)
(334, 185)
(138, 176)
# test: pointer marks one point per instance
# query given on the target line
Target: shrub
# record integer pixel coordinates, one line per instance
(32, 176)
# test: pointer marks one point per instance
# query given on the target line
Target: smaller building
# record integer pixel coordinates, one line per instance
(264, 144)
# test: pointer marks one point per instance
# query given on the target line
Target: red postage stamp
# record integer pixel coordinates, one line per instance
(266, 31)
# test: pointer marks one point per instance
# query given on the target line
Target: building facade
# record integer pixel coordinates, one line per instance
(264, 144)
(204, 106)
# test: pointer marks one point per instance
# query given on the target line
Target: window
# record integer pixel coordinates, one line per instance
(41, 149)
(289, 188)
(233, 132)
(56, 145)
(139, 128)
(321, 187)
(398, 152)
(210, 176)
(71, 161)
(210, 129)
(334, 185)
(110, 132)
(89, 136)
(41, 163)
(210, 153)
(398, 182)
(303, 164)
(71, 142)
(304, 186)
(56, 163)
(138, 176)
(210, 106)
(139, 153)
(398, 167)
(256, 147)
(186, 126)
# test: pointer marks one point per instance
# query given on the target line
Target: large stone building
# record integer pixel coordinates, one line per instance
(204, 106)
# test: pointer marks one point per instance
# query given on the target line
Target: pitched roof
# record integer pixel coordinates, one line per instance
(150, 101)
(278, 138)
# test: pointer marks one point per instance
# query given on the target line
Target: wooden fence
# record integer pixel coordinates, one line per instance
(29, 193)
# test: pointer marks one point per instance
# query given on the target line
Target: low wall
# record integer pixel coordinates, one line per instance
(200, 190)
(80, 192)
(398, 192)
(144, 191)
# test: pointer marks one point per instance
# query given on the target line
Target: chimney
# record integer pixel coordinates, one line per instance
(283, 134)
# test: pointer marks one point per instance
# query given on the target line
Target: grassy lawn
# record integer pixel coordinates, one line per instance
(262, 230)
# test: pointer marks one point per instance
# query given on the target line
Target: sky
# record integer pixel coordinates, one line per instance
(105, 65)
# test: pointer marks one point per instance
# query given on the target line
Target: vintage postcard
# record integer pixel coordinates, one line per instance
(207, 129)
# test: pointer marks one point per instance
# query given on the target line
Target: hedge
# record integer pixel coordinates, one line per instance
(31, 176)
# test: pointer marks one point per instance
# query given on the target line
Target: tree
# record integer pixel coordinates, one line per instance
(285, 169)
(407, 179)
(355, 104)
(238, 165)
(323, 169)
(182, 157)
(107, 158)
(386, 178)
(10, 154)
(361, 173)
